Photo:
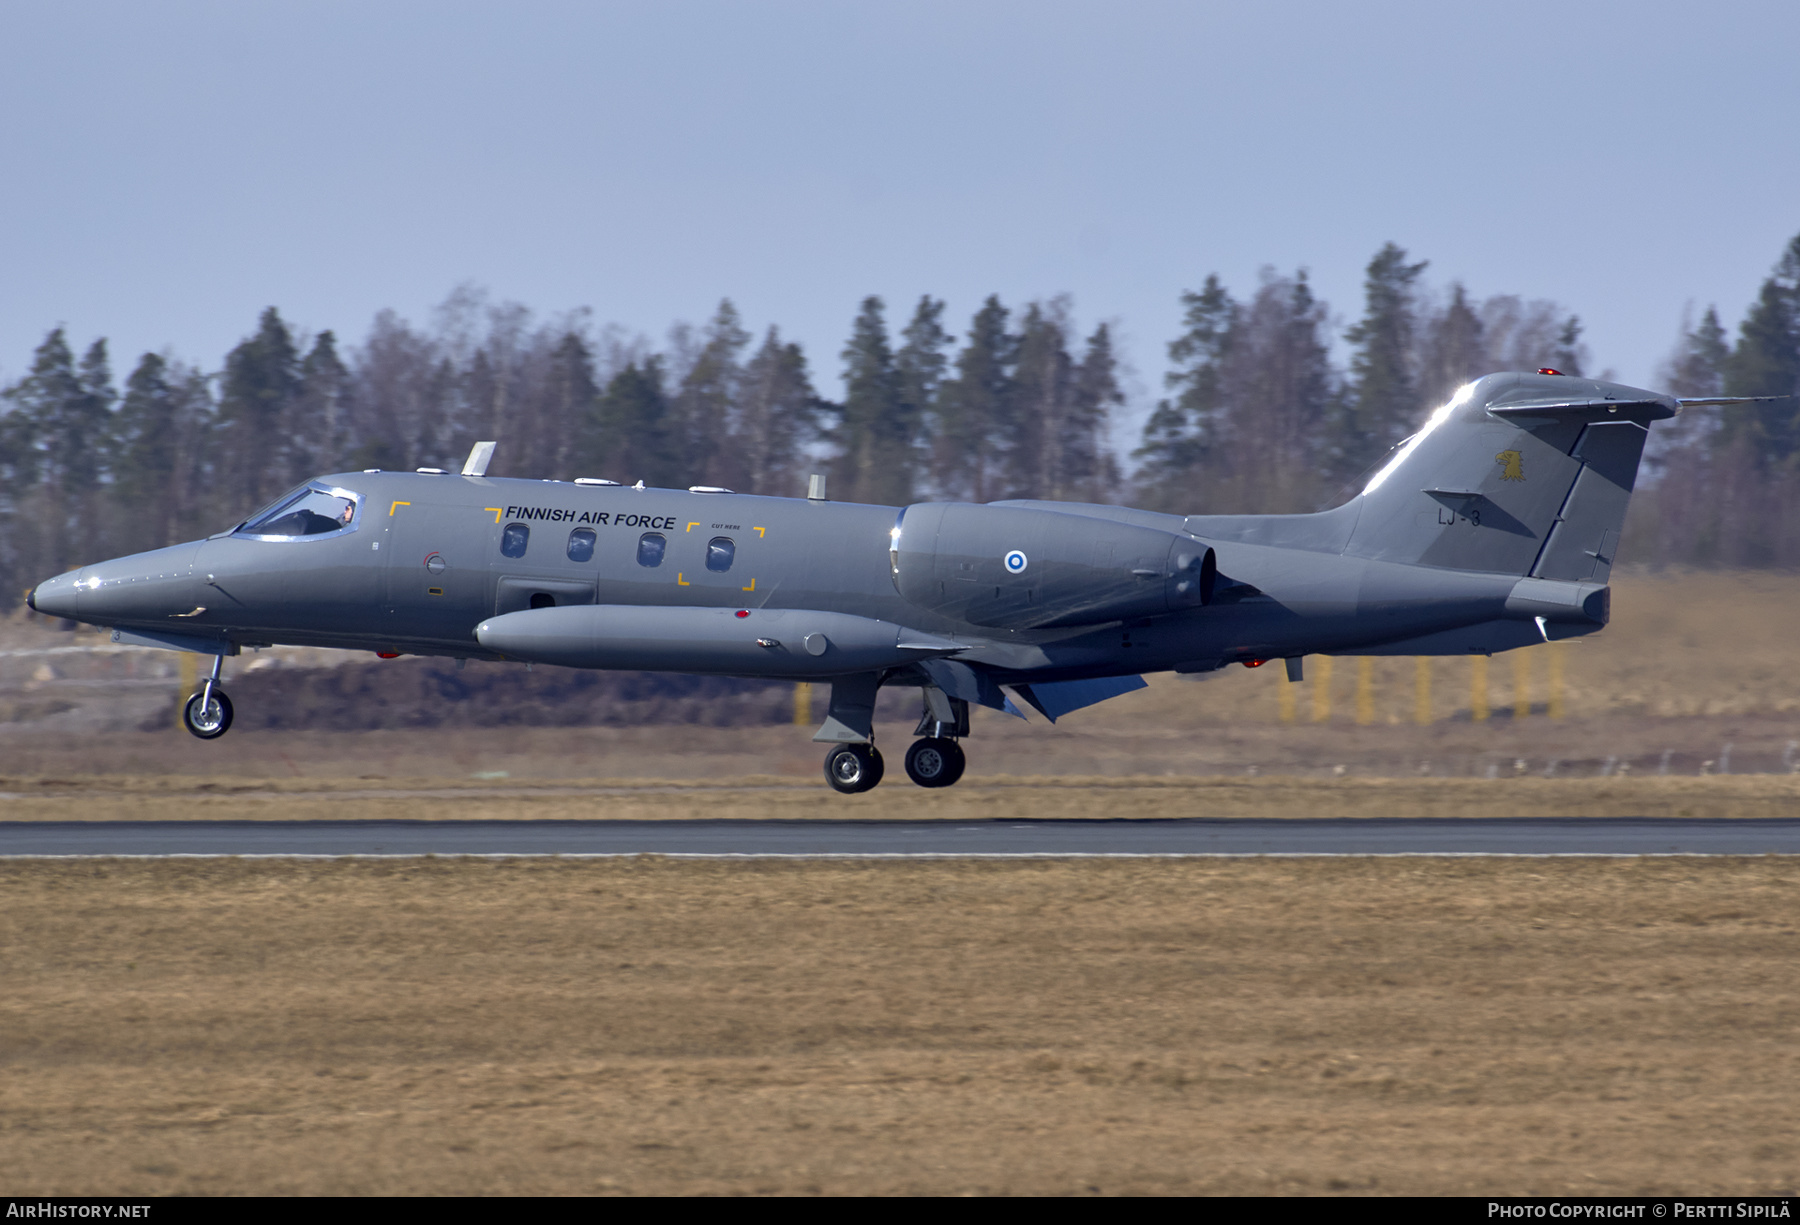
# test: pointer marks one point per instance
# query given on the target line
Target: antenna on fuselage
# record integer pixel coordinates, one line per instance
(480, 455)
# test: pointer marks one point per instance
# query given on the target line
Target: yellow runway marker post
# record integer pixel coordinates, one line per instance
(1478, 688)
(1521, 685)
(803, 704)
(1322, 689)
(1365, 690)
(1556, 680)
(1284, 697)
(1422, 690)
(190, 681)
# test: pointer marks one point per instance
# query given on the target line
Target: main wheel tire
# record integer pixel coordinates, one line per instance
(958, 763)
(934, 762)
(207, 719)
(854, 768)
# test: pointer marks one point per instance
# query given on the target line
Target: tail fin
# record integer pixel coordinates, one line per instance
(1519, 474)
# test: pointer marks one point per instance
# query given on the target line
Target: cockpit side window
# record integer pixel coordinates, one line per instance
(515, 540)
(312, 512)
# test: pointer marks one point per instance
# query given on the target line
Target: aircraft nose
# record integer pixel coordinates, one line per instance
(56, 597)
(144, 587)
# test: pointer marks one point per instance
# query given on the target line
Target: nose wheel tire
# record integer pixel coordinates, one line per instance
(854, 768)
(935, 762)
(207, 717)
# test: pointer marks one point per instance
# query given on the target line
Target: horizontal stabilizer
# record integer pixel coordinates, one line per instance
(1584, 410)
(1058, 698)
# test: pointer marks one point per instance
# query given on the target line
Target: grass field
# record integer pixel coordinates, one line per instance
(1564, 1026)
(770, 797)
(644, 1026)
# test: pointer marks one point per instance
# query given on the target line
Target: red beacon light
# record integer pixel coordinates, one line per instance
(742, 612)
(1547, 370)
(1254, 663)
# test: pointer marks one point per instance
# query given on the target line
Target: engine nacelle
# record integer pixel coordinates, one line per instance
(1021, 568)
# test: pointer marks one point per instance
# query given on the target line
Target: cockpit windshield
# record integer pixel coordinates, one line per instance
(311, 512)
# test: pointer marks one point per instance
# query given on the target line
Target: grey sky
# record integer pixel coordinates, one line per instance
(169, 169)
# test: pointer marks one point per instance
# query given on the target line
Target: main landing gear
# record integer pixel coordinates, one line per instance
(207, 713)
(934, 760)
(854, 768)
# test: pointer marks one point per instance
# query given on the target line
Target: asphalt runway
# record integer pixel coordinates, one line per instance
(878, 839)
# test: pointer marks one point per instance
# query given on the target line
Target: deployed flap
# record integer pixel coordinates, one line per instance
(959, 680)
(1058, 698)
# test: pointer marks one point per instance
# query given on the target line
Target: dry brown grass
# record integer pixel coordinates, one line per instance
(176, 798)
(1404, 1026)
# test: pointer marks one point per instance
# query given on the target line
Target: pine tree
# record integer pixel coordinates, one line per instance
(1697, 367)
(571, 397)
(147, 458)
(1766, 362)
(319, 413)
(1571, 354)
(1043, 395)
(920, 365)
(261, 382)
(1088, 472)
(779, 416)
(1183, 432)
(874, 437)
(705, 405)
(975, 410)
(631, 437)
(1384, 401)
(1455, 350)
(59, 439)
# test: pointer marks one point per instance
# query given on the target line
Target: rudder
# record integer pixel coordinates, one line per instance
(1519, 474)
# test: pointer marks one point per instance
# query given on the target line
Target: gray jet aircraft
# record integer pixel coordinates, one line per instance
(1492, 527)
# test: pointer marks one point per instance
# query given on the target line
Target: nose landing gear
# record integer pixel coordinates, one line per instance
(207, 713)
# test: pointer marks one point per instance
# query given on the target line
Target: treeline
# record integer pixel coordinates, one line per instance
(1259, 416)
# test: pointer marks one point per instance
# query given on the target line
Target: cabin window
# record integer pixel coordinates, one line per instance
(720, 551)
(581, 544)
(514, 540)
(314, 512)
(651, 547)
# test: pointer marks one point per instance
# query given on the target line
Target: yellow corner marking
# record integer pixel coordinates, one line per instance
(396, 506)
(498, 511)
(758, 531)
(751, 587)
(681, 581)
(690, 527)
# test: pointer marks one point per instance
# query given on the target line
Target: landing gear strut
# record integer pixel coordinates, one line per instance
(936, 760)
(208, 712)
(854, 768)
